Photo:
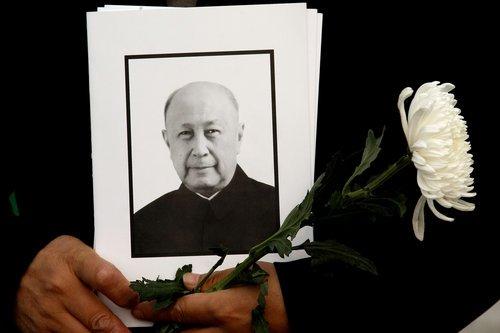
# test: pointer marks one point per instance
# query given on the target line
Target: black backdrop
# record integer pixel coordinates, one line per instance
(370, 52)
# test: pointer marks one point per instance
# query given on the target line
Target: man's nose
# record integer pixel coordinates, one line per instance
(200, 147)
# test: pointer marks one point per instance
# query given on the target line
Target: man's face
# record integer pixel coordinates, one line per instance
(204, 137)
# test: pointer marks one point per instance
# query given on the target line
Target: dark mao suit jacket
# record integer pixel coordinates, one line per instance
(183, 223)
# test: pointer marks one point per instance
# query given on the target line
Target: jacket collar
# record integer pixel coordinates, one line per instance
(225, 201)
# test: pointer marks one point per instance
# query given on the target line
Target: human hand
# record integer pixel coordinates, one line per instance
(56, 292)
(228, 310)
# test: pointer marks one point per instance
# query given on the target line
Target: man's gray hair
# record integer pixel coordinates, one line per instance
(226, 90)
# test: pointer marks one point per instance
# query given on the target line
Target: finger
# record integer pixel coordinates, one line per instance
(101, 275)
(68, 323)
(84, 305)
(191, 280)
(193, 309)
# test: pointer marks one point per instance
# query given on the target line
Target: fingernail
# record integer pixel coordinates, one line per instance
(133, 300)
(138, 314)
(190, 280)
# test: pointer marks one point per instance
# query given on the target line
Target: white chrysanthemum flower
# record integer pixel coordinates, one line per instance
(437, 138)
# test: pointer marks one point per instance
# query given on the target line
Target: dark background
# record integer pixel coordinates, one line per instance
(370, 53)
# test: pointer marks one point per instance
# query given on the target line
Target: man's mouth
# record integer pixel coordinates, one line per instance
(201, 167)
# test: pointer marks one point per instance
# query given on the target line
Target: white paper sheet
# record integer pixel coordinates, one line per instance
(290, 30)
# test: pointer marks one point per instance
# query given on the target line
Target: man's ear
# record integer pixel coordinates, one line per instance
(241, 128)
(165, 138)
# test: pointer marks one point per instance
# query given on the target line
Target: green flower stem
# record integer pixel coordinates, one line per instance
(252, 258)
(382, 178)
(197, 289)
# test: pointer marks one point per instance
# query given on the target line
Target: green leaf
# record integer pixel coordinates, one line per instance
(280, 245)
(165, 292)
(335, 200)
(383, 206)
(220, 251)
(264, 289)
(370, 153)
(327, 251)
(375, 208)
(279, 242)
(327, 196)
(253, 275)
(13, 204)
(181, 271)
(259, 322)
(399, 202)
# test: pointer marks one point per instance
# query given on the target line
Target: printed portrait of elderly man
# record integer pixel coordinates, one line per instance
(216, 203)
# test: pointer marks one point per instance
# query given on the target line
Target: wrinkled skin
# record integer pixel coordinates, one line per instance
(56, 293)
(227, 310)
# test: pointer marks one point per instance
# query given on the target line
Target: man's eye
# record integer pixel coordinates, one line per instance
(185, 134)
(212, 132)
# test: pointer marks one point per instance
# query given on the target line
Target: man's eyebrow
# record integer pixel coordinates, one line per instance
(211, 122)
(206, 123)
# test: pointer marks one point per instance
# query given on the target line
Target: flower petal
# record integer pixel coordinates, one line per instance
(405, 93)
(446, 87)
(419, 144)
(443, 217)
(419, 119)
(423, 184)
(444, 202)
(423, 94)
(418, 220)
(463, 205)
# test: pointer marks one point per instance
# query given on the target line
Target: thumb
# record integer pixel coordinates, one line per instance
(191, 280)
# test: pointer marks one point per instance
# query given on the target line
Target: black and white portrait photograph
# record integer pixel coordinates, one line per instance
(201, 152)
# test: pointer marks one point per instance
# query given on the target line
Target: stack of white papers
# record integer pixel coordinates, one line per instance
(153, 170)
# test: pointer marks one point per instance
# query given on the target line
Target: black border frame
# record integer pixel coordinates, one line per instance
(127, 58)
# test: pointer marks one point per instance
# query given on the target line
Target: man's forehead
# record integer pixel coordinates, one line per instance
(203, 102)
(203, 93)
